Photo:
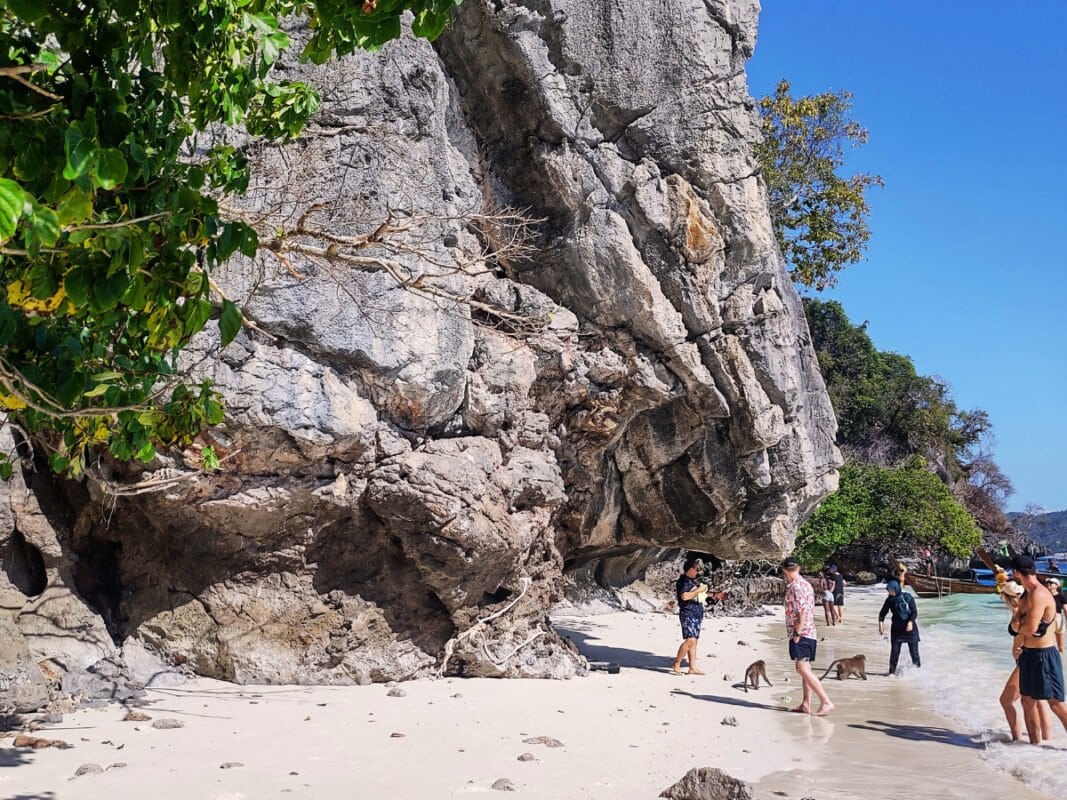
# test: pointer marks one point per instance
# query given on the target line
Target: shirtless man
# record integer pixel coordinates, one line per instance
(1040, 663)
(800, 625)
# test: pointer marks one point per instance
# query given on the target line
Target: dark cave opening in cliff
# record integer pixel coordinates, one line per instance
(24, 565)
(97, 581)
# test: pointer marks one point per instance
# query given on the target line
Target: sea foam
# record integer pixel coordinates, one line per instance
(966, 657)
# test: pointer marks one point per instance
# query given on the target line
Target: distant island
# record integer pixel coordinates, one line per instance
(1048, 529)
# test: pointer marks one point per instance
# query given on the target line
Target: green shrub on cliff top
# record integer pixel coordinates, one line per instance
(879, 505)
(109, 227)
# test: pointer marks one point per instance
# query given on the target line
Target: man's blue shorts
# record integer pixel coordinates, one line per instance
(1041, 673)
(691, 619)
(804, 650)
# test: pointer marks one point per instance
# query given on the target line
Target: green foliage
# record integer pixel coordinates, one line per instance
(879, 505)
(885, 410)
(108, 228)
(820, 218)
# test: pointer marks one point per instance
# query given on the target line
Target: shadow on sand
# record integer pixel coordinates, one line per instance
(586, 640)
(729, 701)
(921, 733)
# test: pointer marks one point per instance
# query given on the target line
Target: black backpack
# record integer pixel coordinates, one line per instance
(900, 607)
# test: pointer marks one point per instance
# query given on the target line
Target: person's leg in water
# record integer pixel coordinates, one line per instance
(1030, 718)
(894, 653)
(913, 650)
(1008, 697)
(1044, 717)
(1059, 710)
(812, 685)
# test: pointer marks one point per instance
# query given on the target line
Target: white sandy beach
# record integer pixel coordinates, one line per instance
(628, 735)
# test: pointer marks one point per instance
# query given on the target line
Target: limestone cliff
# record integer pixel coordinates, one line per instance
(400, 465)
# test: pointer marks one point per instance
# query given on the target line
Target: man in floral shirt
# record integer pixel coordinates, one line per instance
(800, 626)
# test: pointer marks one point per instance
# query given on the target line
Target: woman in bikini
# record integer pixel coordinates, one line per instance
(1012, 594)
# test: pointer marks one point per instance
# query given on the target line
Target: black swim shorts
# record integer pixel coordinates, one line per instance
(804, 650)
(839, 599)
(1041, 673)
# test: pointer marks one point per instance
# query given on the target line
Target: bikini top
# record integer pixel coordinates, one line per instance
(1042, 627)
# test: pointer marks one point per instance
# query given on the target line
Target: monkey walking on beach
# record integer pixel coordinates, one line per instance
(755, 671)
(847, 667)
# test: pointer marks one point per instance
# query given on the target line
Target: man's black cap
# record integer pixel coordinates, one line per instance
(790, 562)
(1023, 562)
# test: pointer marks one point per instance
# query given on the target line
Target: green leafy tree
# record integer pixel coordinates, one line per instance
(109, 230)
(820, 217)
(880, 507)
(886, 411)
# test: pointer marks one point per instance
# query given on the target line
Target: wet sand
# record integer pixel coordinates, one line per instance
(882, 738)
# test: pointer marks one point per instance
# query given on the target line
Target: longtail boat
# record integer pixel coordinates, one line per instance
(933, 586)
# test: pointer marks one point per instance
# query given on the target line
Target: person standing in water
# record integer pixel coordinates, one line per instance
(1011, 592)
(1040, 662)
(690, 613)
(903, 628)
(800, 626)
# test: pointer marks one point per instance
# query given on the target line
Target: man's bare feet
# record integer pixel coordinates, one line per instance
(677, 669)
(694, 671)
(824, 709)
(803, 708)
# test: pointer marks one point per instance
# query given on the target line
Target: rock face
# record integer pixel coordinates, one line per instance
(406, 474)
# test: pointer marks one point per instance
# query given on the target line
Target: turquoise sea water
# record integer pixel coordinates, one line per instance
(966, 652)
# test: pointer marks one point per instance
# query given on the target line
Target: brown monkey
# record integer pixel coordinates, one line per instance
(846, 667)
(755, 671)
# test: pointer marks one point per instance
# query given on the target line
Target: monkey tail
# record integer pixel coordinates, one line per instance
(832, 665)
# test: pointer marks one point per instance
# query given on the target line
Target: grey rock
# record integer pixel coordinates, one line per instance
(88, 769)
(117, 765)
(503, 785)
(167, 724)
(527, 757)
(394, 468)
(547, 741)
(708, 783)
(230, 765)
(22, 686)
(730, 721)
(397, 693)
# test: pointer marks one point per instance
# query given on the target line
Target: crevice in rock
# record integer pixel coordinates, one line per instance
(97, 581)
(24, 565)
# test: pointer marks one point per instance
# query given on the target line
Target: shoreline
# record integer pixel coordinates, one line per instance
(622, 736)
(883, 731)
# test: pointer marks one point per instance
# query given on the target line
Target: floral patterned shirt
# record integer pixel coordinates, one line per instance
(800, 609)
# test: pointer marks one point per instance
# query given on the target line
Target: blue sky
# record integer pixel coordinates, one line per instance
(966, 104)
